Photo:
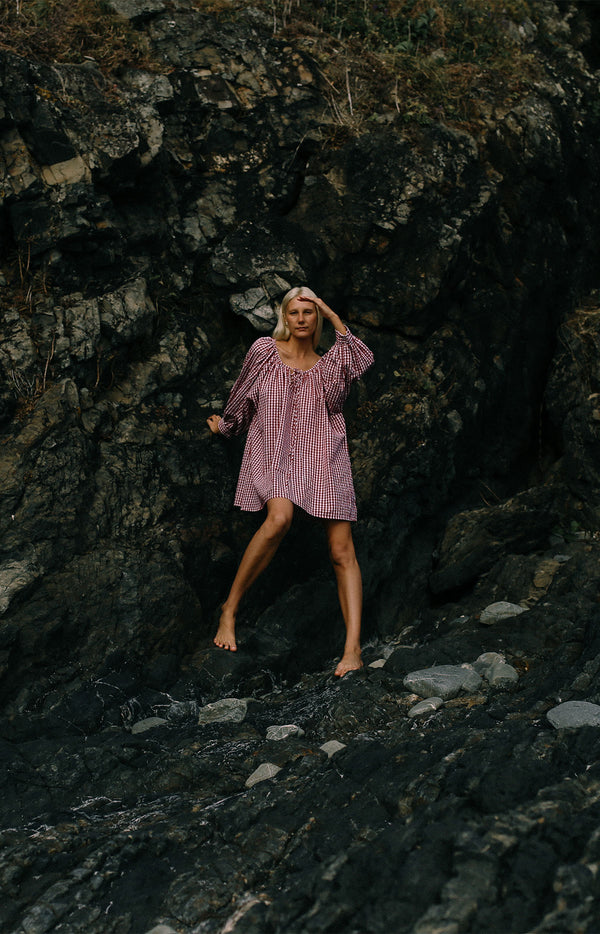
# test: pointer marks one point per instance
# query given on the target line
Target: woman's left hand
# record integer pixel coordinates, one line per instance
(213, 423)
(330, 315)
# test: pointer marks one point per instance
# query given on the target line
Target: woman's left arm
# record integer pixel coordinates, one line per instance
(343, 363)
(330, 315)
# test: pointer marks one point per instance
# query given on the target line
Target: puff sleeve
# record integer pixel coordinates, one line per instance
(241, 404)
(344, 362)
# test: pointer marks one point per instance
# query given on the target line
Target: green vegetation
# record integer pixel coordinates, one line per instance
(70, 31)
(427, 59)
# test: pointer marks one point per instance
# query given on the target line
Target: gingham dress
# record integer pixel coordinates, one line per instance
(296, 446)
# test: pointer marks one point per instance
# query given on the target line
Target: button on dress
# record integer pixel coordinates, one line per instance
(296, 446)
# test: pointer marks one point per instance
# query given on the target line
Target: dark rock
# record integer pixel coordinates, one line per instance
(150, 222)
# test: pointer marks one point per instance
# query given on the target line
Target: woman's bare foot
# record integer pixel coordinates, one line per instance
(350, 661)
(225, 637)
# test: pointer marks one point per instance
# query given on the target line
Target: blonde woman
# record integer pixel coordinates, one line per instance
(289, 400)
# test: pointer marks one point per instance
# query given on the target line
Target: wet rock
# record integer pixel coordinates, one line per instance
(125, 318)
(501, 610)
(228, 710)
(149, 723)
(573, 715)
(262, 773)
(430, 705)
(278, 733)
(445, 681)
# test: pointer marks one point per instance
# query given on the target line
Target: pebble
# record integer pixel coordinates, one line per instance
(228, 710)
(426, 706)
(501, 610)
(262, 773)
(162, 929)
(148, 724)
(444, 681)
(574, 714)
(378, 663)
(283, 731)
(485, 661)
(331, 747)
(501, 673)
(493, 667)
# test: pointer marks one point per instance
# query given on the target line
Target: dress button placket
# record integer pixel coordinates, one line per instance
(294, 385)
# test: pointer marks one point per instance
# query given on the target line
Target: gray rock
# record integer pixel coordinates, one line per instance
(256, 306)
(128, 313)
(378, 663)
(228, 710)
(500, 674)
(574, 714)
(429, 705)
(162, 929)
(137, 10)
(15, 576)
(148, 724)
(284, 731)
(486, 661)
(501, 610)
(445, 681)
(331, 747)
(265, 771)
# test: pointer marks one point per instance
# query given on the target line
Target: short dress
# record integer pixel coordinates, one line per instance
(296, 446)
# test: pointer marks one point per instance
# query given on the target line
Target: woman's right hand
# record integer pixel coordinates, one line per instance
(213, 423)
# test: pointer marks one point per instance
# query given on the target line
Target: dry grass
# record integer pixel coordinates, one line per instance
(428, 60)
(70, 31)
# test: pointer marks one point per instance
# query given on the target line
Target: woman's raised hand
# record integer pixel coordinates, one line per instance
(330, 315)
(213, 423)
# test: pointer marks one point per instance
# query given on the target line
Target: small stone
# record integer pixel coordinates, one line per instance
(162, 929)
(444, 681)
(228, 710)
(148, 724)
(262, 773)
(331, 747)
(378, 663)
(426, 706)
(490, 658)
(574, 714)
(284, 731)
(486, 661)
(501, 610)
(501, 673)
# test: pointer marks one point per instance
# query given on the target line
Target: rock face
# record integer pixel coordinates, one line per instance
(149, 224)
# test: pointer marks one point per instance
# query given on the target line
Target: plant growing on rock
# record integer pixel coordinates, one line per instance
(71, 32)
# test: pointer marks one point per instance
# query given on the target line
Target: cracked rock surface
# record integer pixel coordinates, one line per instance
(149, 225)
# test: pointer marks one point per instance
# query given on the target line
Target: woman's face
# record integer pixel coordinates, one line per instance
(301, 317)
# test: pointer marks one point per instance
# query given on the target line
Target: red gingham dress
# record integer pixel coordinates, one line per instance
(296, 446)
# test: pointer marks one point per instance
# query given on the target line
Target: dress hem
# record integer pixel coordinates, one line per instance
(314, 515)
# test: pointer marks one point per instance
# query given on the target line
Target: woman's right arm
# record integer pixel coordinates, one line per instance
(240, 407)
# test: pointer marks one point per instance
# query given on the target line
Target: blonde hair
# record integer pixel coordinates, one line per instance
(282, 332)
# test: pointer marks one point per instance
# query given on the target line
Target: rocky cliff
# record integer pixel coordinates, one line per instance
(151, 218)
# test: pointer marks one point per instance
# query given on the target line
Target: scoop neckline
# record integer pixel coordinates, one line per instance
(294, 369)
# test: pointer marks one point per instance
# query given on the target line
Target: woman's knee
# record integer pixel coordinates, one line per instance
(341, 550)
(278, 521)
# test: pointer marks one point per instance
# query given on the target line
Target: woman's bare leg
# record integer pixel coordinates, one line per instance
(258, 554)
(349, 581)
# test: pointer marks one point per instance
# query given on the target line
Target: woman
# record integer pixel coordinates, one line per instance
(289, 400)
